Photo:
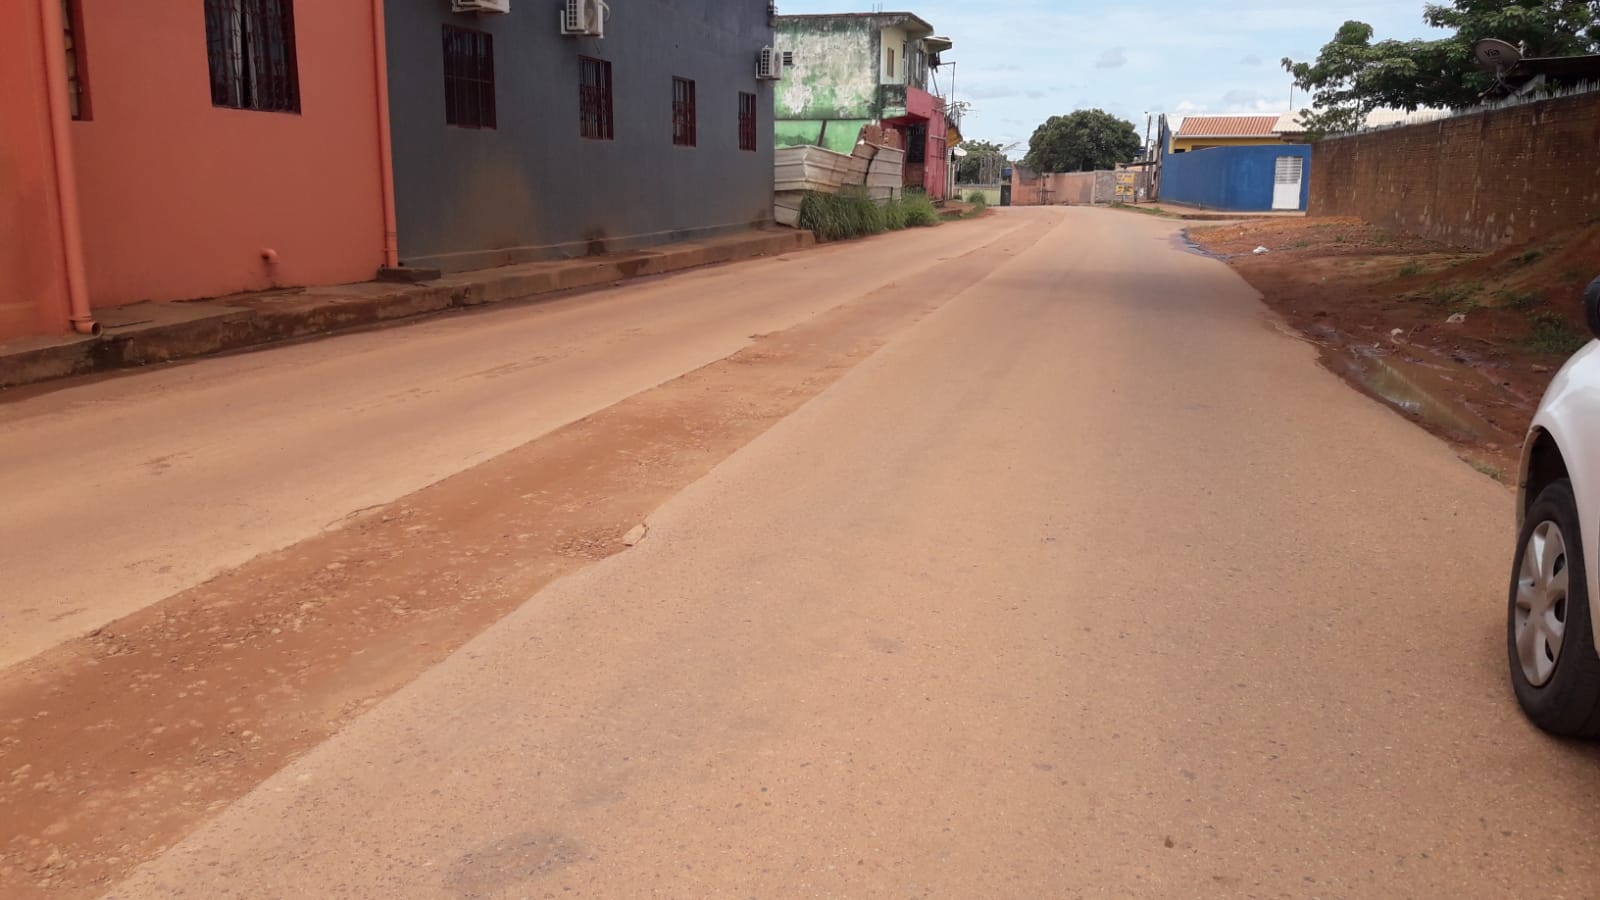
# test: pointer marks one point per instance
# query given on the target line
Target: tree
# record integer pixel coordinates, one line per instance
(1352, 75)
(1084, 141)
(971, 168)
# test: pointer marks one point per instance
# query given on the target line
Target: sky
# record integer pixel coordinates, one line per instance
(1021, 61)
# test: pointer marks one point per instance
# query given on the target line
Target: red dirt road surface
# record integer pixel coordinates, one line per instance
(1028, 556)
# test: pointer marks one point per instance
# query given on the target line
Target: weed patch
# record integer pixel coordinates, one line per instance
(1552, 334)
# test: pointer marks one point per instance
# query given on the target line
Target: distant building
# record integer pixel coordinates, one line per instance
(845, 71)
(1205, 132)
(1235, 163)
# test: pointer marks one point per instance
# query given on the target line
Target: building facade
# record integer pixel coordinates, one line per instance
(1206, 132)
(849, 70)
(1260, 177)
(516, 142)
(177, 149)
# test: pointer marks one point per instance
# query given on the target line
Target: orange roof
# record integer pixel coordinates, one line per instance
(1228, 126)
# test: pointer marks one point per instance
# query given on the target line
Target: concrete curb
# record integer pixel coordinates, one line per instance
(254, 320)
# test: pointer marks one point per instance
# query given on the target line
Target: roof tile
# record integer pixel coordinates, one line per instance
(1228, 126)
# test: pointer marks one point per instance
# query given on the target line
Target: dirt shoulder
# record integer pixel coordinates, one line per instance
(1462, 342)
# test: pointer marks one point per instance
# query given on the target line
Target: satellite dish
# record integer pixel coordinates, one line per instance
(958, 152)
(1495, 55)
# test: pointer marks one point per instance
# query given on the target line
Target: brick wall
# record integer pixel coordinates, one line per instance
(1066, 188)
(1485, 180)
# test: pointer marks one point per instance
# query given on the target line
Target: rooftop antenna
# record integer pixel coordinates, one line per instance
(1497, 56)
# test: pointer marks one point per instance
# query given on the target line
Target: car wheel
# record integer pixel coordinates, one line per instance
(1554, 669)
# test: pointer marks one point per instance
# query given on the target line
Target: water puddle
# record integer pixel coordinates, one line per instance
(1182, 241)
(1419, 391)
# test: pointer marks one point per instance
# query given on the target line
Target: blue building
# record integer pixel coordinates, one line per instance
(1258, 178)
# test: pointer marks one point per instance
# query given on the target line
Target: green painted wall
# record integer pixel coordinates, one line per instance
(835, 70)
(840, 136)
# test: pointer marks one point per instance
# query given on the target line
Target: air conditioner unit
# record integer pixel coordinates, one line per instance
(769, 64)
(480, 6)
(585, 18)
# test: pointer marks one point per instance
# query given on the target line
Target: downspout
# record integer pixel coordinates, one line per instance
(380, 55)
(55, 70)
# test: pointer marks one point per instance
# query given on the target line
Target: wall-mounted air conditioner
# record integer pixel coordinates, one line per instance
(585, 18)
(769, 64)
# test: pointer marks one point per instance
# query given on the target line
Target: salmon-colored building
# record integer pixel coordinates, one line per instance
(174, 149)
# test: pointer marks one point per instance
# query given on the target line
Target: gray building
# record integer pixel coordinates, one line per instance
(515, 142)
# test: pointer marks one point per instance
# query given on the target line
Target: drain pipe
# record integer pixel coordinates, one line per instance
(380, 55)
(55, 67)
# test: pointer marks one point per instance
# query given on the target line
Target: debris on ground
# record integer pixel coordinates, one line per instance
(1514, 315)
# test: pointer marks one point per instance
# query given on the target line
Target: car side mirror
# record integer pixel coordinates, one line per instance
(1591, 307)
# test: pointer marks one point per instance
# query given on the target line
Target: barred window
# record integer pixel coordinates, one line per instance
(747, 121)
(594, 99)
(250, 46)
(683, 114)
(77, 78)
(468, 78)
(917, 143)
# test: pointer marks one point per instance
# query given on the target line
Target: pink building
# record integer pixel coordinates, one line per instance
(174, 149)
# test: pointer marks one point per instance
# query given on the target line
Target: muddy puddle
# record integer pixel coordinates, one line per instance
(1183, 242)
(1421, 390)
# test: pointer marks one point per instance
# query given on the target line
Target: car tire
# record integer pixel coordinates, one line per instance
(1557, 682)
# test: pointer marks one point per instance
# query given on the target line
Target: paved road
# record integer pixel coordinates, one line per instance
(1088, 583)
(121, 492)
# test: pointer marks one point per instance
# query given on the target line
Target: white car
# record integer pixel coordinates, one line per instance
(1553, 619)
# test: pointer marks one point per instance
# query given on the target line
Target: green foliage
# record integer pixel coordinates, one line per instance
(1454, 296)
(1552, 334)
(1519, 299)
(852, 213)
(978, 199)
(1410, 269)
(981, 155)
(894, 215)
(1084, 141)
(920, 211)
(1352, 75)
(837, 217)
(1532, 256)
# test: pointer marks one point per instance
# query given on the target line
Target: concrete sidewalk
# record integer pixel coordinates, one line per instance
(155, 332)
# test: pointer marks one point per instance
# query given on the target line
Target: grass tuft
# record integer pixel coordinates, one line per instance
(1552, 334)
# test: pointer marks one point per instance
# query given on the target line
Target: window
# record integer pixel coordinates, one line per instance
(747, 121)
(468, 78)
(917, 143)
(77, 81)
(891, 62)
(683, 117)
(250, 46)
(594, 99)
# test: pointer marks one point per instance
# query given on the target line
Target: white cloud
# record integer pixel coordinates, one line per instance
(1115, 58)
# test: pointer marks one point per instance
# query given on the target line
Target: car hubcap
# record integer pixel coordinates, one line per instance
(1541, 613)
